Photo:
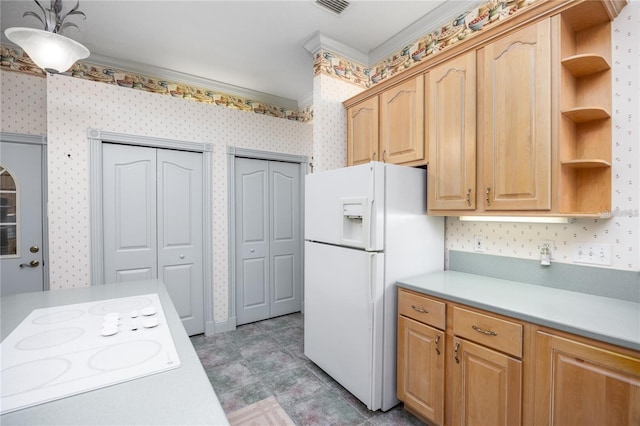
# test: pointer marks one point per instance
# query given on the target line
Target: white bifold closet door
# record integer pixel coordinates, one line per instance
(268, 239)
(152, 202)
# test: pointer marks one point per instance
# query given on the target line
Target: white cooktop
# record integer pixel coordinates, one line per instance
(66, 350)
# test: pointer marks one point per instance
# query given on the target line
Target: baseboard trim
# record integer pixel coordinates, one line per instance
(212, 327)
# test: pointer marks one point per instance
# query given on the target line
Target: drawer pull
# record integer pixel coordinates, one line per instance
(437, 343)
(455, 352)
(421, 310)
(487, 332)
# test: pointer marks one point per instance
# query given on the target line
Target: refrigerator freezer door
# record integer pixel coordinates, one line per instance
(343, 317)
(346, 206)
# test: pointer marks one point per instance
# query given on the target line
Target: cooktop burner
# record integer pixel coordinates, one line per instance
(65, 350)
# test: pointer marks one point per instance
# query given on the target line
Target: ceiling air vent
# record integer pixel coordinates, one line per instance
(335, 6)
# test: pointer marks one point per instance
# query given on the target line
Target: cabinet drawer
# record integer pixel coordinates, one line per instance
(421, 308)
(487, 330)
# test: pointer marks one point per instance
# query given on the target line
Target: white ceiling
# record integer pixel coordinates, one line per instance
(249, 48)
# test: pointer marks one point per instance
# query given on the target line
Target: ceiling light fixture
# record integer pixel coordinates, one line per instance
(49, 49)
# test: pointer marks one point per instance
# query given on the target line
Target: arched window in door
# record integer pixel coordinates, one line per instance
(8, 214)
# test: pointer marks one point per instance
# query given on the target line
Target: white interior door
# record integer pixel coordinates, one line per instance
(129, 194)
(268, 240)
(180, 233)
(285, 239)
(21, 256)
(152, 202)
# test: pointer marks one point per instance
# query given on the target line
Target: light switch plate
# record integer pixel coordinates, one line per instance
(591, 253)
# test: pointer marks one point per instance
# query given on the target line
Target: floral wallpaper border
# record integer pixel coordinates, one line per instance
(463, 26)
(15, 59)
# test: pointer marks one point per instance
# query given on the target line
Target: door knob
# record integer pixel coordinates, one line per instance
(32, 264)
(34, 249)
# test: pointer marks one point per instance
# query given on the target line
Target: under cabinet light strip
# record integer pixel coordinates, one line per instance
(525, 219)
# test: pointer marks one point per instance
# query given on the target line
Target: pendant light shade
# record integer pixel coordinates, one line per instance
(52, 52)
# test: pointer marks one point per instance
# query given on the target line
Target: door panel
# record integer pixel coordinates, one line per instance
(134, 275)
(180, 233)
(129, 203)
(284, 247)
(254, 289)
(21, 218)
(252, 224)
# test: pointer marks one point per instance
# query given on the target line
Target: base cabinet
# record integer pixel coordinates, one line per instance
(465, 366)
(421, 348)
(581, 384)
(486, 386)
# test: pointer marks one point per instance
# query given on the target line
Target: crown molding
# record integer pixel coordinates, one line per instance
(438, 17)
(190, 79)
(318, 41)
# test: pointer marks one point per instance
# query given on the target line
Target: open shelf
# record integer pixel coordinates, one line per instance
(586, 164)
(586, 64)
(584, 114)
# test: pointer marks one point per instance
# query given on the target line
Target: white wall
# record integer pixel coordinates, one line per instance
(24, 104)
(74, 105)
(330, 121)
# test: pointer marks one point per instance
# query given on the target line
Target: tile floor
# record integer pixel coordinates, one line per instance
(266, 358)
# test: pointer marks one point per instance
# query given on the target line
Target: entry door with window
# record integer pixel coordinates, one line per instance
(152, 202)
(268, 240)
(21, 224)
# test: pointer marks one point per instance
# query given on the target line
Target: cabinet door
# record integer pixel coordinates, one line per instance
(487, 386)
(362, 132)
(421, 368)
(580, 384)
(450, 93)
(401, 122)
(515, 118)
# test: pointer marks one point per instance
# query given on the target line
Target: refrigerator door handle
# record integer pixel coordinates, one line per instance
(370, 225)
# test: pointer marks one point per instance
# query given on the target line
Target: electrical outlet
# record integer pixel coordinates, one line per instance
(478, 243)
(552, 247)
(594, 254)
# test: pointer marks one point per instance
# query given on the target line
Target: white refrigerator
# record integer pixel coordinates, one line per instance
(365, 228)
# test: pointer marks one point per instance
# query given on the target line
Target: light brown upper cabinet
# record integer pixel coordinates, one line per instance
(362, 132)
(388, 127)
(514, 110)
(401, 122)
(450, 126)
(515, 120)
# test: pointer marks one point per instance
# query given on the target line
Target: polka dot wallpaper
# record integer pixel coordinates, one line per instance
(24, 105)
(330, 121)
(75, 105)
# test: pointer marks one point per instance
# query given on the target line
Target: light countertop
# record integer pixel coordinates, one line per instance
(602, 318)
(175, 397)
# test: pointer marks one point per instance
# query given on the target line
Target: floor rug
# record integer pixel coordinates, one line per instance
(261, 413)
